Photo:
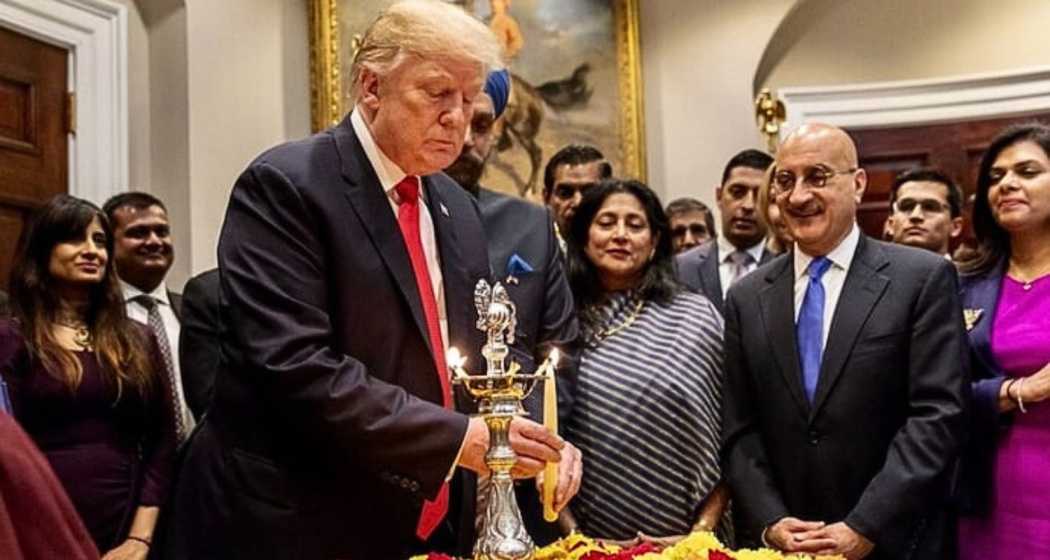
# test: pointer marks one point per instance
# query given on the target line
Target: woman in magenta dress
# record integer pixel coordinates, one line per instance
(1005, 486)
(82, 377)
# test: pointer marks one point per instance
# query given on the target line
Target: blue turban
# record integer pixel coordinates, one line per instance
(498, 88)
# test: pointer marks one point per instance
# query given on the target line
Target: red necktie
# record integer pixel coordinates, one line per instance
(408, 220)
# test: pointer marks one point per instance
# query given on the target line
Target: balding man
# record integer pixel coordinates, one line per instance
(845, 374)
(347, 267)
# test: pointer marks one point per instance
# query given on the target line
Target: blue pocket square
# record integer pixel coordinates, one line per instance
(517, 266)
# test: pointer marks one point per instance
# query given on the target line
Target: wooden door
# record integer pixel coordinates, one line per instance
(34, 158)
(956, 148)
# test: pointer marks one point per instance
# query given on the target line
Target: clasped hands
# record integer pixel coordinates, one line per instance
(815, 537)
(535, 446)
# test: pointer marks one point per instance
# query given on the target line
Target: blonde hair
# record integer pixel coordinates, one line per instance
(427, 28)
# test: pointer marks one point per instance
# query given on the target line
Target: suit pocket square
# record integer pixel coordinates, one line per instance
(517, 266)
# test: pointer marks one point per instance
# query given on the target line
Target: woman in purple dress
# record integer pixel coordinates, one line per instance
(82, 377)
(1006, 299)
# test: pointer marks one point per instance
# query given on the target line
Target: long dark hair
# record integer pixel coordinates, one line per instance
(993, 241)
(35, 303)
(658, 281)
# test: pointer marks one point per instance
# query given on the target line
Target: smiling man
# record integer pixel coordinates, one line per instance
(714, 266)
(347, 267)
(839, 440)
(927, 210)
(143, 253)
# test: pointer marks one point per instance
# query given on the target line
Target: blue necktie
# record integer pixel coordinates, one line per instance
(810, 328)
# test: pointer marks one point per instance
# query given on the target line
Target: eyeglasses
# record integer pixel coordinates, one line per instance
(815, 178)
(928, 206)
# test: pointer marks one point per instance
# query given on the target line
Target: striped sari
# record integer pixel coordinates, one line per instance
(647, 416)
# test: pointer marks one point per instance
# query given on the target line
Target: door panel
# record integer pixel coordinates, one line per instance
(34, 145)
(955, 148)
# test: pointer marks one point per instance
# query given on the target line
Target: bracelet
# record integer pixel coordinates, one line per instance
(141, 540)
(1020, 400)
(1007, 385)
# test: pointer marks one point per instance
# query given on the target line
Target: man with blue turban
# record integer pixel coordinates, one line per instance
(524, 256)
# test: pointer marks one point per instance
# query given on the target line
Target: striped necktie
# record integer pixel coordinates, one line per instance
(156, 324)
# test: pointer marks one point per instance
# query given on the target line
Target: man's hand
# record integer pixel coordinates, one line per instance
(794, 535)
(570, 473)
(534, 444)
(848, 542)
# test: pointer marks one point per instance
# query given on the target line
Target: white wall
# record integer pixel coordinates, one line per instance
(249, 85)
(829, 42)
(698, 63)
(211, 85)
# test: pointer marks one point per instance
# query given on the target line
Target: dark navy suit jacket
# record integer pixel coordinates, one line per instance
(979, 293)
(326, 433)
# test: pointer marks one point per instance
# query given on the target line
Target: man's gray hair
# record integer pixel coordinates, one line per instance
(427, 28)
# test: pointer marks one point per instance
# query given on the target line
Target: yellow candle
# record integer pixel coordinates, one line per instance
(550, 420)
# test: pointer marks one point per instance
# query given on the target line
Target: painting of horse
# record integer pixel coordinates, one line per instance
(566, 81)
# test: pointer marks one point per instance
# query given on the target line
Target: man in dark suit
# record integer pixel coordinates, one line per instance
(200, 350)
(347, 266)
(143, 253)
(524, 256)
(845, 374)
(714, 266)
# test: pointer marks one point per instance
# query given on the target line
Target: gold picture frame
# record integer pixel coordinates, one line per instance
(329, 105)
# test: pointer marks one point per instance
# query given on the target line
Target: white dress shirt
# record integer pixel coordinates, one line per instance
(841, 257)
(137, 312)
(726, 266)
(389, 176)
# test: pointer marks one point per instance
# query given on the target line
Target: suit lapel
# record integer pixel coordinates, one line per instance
(767, 256)
(455, 278)
(983, 295)
(372, 207)
(862, 289)
(777, 301)
(709, 277)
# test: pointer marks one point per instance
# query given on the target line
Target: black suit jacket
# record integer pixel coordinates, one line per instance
(200, 336)
(325, 434)
(888, 415)
(176, 304)
(698, 270)
(975, 487)
(546, 314)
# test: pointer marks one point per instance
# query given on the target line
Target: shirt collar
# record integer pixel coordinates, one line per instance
(159, 294)
(841, 256)
(726, 249)
(387, 171)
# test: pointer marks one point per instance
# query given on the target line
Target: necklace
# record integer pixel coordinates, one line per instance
(81, 334)
(611, 330)
(1020, 275)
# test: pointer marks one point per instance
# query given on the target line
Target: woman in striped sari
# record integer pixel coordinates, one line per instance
(647, 407)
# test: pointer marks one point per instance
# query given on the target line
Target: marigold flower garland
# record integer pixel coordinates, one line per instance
(697, 546)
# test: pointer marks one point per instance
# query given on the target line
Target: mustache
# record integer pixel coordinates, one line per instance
(807, 209)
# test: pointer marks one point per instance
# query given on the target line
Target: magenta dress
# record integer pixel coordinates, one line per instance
(1018, 524)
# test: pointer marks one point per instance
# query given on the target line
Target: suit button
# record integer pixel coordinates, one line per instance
(814, 437)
